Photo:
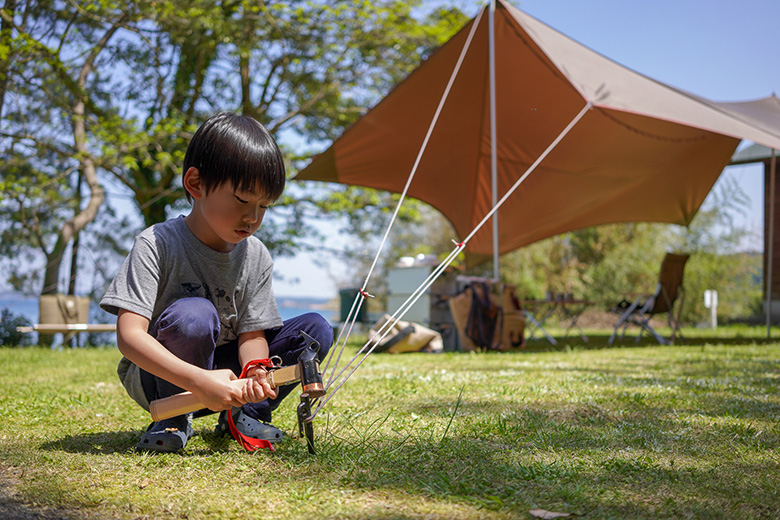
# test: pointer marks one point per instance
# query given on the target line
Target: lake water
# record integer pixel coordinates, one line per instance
(27, 307)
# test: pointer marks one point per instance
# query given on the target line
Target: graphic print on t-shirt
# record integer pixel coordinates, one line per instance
(223, 303)
(191, 289)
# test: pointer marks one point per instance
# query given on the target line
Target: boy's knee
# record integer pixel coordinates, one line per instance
(190, 318)
(319, 328)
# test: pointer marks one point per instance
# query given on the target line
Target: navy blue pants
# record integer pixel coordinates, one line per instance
(189, 328)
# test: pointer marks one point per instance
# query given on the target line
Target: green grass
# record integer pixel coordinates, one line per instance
(688, 431)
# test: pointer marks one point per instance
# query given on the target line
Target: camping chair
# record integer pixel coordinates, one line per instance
(640, 311)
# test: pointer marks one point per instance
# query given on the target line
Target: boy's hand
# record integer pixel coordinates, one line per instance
(215, 392)
(257, 387)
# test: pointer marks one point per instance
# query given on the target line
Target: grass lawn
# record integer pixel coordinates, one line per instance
(632, 431)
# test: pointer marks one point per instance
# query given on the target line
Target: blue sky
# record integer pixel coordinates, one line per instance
(721, 50)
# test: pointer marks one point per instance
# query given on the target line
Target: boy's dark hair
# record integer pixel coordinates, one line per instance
(235, 148)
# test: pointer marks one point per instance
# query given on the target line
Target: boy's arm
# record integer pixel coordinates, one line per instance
(210, 386)
(253, 346)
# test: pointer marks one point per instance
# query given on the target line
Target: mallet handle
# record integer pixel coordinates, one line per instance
(187, 402)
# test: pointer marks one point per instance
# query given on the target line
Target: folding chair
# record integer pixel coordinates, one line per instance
(640, 311)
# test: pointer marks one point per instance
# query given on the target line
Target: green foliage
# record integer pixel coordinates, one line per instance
(597, 264)
(35, 206)
(736, 277)
(57, 89)
(9, 336)
(608, 263)
(631, 264)
(142, 75)
(713, 241)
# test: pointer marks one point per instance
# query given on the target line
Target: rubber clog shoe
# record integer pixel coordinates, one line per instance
(167, 436)
(249, 426)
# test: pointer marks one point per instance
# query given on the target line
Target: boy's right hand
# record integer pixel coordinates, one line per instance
(215, 392)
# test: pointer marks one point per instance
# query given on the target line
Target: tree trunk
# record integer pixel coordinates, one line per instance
(74, 260)
(87, 169)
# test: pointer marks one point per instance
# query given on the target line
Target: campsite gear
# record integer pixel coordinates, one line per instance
(63, 309)
(406, 337)
(513, 331)
(485, 320)
(251, 442)
(306, 371)
(168, 435)
(473, 334)
(305, 427)
(642, 309)
(513, 335)
(186, 402)
(459, 308)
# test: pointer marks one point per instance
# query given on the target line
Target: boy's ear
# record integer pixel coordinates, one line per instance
(192, 183)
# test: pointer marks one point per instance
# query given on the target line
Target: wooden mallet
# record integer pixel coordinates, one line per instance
(307, 371)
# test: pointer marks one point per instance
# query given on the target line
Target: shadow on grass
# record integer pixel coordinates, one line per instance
(551, 472)
(676, 436)
(585, 461)
(101, 443)
(106, 443)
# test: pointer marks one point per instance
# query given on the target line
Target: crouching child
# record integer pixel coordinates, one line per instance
(194, 299)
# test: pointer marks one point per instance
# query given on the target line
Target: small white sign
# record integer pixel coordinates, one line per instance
(711, 302)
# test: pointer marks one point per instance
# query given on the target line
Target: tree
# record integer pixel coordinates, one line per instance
(115, 91)
(605, 263)
(716, 262)
(302, 68)
(56, 60)
(598, 264)
(9, 336)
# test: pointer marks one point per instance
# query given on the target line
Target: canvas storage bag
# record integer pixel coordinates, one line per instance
(485, 319)
(462, 307)
(514, 320)
(56, 309)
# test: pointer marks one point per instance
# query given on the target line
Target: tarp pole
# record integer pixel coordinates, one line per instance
(493, 137)
(770, 243)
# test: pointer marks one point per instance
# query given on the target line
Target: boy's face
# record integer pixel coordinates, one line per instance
(223, 217)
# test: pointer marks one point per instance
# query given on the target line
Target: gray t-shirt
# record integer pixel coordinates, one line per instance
(168, 263)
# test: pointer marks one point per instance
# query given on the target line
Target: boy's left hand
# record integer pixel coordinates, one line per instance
(257, 387)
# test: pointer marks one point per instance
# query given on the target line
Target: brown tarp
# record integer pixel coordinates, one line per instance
(644, 152)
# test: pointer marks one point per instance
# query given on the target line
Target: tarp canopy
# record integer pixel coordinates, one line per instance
(754, 153)
(761, 114)
(644, 152)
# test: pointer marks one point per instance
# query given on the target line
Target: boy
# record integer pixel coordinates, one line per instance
(194, 300)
